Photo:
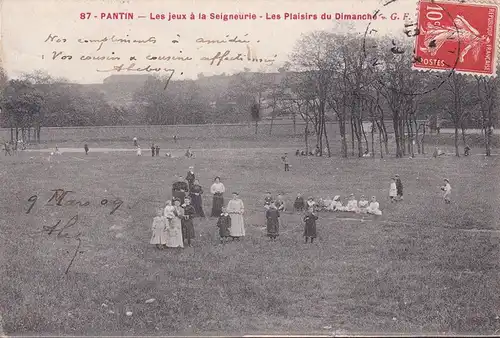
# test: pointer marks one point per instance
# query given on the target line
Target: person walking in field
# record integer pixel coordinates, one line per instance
(236, 209)
(399, 188)
(284, 158)
(159, 230)
(273, 225)
(447, 191)
(224, 225)
(86, 148)
(310, 226)
(157, 150)
(393, 191)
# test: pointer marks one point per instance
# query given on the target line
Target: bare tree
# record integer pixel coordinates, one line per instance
(487, 91)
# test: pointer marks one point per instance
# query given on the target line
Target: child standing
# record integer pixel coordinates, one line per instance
(272, 217)
(284, 158)
(169, 212)
(310, 226)
(152, 149)
(311, 204)
(86, 148)
(299, 203)
(157, 150)
(393, 190)
(159, 228)
(447, 191)
(399, 188)
(268, 199)
(224, 224)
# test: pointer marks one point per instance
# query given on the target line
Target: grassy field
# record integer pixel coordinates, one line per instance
(422, 267)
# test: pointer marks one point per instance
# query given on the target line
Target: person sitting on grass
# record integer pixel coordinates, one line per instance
(352, 205)
(299, 203)
(311, 204)
(363, 204)
(224, 225)
(374, 207)
(189, 153)
(336, 205)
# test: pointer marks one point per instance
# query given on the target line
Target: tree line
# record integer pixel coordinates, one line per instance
(343, 77)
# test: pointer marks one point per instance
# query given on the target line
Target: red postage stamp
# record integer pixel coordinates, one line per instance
(457, 35)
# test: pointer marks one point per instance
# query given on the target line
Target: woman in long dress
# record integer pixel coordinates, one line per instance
(158, 237)
(273, 224)
(235, 209)
(217, 189)
(196, 192)
(174, 237)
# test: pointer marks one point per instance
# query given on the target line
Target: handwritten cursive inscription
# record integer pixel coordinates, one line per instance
(227, 40)
(219, 57)
(113, 39)
(133, 68)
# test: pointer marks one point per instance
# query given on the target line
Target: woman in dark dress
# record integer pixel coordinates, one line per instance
(273, 225)
(310, 226)
(187, 222)
(196, 192)
(217, 189)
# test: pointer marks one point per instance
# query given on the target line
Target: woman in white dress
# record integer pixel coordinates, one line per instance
(374, 207)
(174, 231)
(235, 209)
(352, 205)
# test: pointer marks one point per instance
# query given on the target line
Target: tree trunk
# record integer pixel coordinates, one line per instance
(463, 135)
(271, 126)
(457, 153)
(364, 135)
(342, 136)
(422, 140)
(11, 134)
(294, 124)
(385, 136)
(373, 139)
(352, 135)
(326, 139)
(306, 137)
(256, 126)
(17, 138)
(396, 124)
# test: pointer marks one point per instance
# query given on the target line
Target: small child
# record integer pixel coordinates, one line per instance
(273, 225)
(159, 228)
(284, 158)
(224, 224)
(299, 203)
(310, 226)
(374, 207)
(363, 204)
(280, 203)
(447, 191)
(393, 190)
(268, 199)
(399, 188)
(169, 212)
(157, 150)
(86, 148)
(139, 151)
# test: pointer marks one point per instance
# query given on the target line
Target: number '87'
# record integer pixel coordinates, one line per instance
(84, 16)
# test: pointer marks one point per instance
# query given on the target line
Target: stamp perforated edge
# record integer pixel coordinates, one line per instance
(496, 62)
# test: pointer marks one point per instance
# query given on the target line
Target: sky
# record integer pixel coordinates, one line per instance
(27, 24)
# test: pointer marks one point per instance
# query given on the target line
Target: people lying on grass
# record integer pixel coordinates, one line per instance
(438, 152)
(272, 221)
(393, 191)
(280, 203)
(363, 204)
(268, 199)
(366, 154)
(224, 225)
(352, 205)
(310, 226)
(399, 188)
(159, 229)
(446, 188)
(168, 155)
(311, 204)
(374, 207)
(299, 203)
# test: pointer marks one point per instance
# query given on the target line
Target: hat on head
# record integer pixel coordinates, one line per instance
(447, 180)
(396, 175)
(337, 197)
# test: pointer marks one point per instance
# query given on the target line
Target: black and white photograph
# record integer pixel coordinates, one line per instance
(249, 168)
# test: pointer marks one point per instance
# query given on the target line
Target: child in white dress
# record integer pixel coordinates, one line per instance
(447, 191)
(393, 190)
(168, 212)
(139, 151)
(310, 204)
(374, 207)
(159, 227)
(363, 204)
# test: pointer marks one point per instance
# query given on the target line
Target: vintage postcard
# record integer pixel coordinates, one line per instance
(249, 168)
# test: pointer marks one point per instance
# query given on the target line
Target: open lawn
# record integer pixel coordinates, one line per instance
(422, 267)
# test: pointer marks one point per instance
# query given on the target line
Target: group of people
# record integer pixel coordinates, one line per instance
(173, 226)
